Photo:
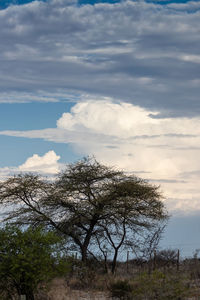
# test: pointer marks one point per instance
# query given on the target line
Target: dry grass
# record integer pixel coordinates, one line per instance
(88, 284)
(60, 290)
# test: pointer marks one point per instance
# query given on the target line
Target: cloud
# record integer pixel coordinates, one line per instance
(24, 97)
(46, 165)
(122, 119)
(165, 151)
(125, 120)
(134, 51)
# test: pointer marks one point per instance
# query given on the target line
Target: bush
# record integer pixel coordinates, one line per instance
(28, 258)
(121, 289)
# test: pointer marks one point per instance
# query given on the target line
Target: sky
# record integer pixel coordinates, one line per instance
(119, 80)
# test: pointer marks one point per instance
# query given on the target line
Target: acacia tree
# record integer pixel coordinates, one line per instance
(86, 199)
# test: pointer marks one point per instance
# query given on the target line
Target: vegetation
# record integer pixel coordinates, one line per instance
(76, 225)
(28, 258)
(158, 285)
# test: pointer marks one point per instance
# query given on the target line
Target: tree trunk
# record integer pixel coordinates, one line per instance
(29, 295)
(26, 295)
(87, 239)
(106, 263)
(25, 290)
(84, 254)
(114, 262)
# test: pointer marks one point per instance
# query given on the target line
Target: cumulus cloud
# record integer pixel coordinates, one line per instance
(124, 120)
(138, 52)
(47, 165)
(162, 150)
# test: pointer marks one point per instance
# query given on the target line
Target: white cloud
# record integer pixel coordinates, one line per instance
(38, 96)
(123, 120)
(47, 165)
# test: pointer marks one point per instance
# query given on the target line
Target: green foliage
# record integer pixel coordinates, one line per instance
(27, 258)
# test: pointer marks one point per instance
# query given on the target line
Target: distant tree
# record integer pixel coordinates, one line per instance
(26, 259)
(167, 257)
(148, 243)
(87, 200)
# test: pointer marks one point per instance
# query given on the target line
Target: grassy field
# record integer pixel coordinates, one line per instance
(139, 280)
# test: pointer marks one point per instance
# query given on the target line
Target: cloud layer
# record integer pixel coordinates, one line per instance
(142, 53)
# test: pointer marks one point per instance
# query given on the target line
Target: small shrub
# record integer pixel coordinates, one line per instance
(83, 277)
(121, 289)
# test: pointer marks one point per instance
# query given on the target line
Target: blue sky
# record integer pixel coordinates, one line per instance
(4, 3)
(119, 80)
(13, 150)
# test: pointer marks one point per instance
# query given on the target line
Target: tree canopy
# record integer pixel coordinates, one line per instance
(89, 203)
